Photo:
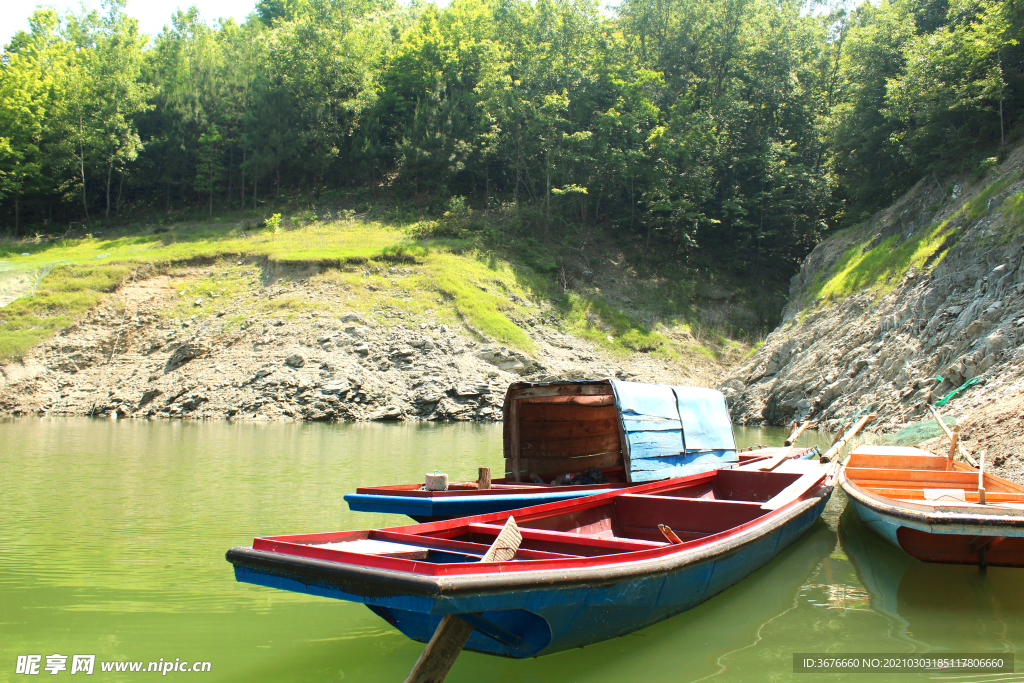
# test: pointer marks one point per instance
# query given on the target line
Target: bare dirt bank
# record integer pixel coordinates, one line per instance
(286, 346)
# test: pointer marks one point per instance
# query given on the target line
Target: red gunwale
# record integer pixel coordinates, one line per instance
(290, 544)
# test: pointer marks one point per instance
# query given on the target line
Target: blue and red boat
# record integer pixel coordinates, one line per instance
(585, 570)
(629, 432)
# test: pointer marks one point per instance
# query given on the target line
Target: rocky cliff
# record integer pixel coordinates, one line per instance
(900, 310)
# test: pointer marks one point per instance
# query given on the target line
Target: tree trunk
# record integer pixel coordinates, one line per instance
(120, 186)
(17, 196)
(242, 204)
(81, 165)
(110, 174)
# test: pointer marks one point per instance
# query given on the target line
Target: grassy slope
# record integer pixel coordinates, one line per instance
(453, 280)
(880, 268)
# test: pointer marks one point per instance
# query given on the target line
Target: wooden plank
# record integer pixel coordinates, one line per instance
(558, 412)
(516, 450)
(590, 445)
(793, 491)
(440, 654)
(683, 514)
(622, 544)
(654, 444)
(552, 467)
(871, 449)
(506, 544)
(483, 479)
(564, 390)
(925, 477)
(567, 430)
(650, 423)
(918, 494)
(593, 401)
(903, 462)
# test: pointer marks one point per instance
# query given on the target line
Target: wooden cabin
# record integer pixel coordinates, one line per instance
(630, 431)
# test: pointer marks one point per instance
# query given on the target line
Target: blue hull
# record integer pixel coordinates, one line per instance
(558, 613)
(425, 508)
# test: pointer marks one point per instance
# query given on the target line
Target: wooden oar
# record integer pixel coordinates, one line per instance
(776, 460)
(451, 634)
(791, 439)
(949, 435)
(838, 445)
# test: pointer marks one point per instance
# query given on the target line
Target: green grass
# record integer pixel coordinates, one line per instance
(60, 299)
(882, 267)
(594, 319)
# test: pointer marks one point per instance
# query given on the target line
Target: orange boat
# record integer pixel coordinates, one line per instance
(934, 508)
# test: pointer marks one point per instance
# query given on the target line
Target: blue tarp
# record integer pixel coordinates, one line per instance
(672, 431)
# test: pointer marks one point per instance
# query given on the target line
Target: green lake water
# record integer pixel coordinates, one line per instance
(113, 533)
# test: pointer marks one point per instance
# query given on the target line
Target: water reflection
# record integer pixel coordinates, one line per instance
(113, 536)
(937, 607)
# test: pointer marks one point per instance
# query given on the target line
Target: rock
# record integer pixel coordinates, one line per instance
(353, 317)
(183, 354)
(504, 359)
(997, 341)
(295, 360)
(470, 390)
(337, 387)
(388, 413)
(443, 329)
(362, 349)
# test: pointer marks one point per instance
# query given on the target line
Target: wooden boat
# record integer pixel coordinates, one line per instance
(585, 570)
(630, 432)
(934, 508)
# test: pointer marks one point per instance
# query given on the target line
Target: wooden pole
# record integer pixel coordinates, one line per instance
(451, 634)
(791, 439)
(440, 654)
(837, 447)
(483, 480)
(776, 460)
(514, 416)
(949, 435)
(981, 479)
(954, 440)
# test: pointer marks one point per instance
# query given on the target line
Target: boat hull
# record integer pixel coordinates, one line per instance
(942, 536)
(432, 508)
(518, 615)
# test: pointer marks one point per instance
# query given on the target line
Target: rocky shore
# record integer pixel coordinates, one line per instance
(898, 346)
(144, 353)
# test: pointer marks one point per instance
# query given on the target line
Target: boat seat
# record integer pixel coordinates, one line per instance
(479, 549)
(903, 462)
(917, 494)
(638, 515)
(926, 479)
(569, 539)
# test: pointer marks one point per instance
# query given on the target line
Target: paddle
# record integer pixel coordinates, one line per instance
(838, 445)
(949, 435)
(790, 440)
(451, 634)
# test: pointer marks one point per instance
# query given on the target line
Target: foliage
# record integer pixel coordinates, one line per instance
(723, 134)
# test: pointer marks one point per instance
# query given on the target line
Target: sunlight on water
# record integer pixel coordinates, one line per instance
(113, 539)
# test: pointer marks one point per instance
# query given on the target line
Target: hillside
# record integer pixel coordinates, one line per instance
(901, 310)
(321, 318)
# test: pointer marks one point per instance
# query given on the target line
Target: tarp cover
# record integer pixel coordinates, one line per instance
(672, 431)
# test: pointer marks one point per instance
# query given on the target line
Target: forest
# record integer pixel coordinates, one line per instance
(738, 132)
